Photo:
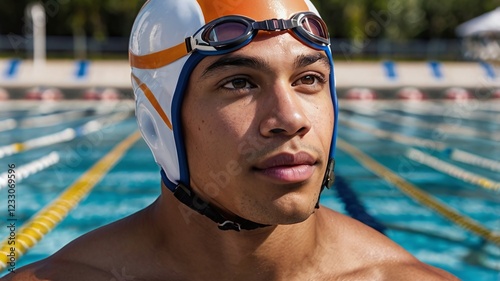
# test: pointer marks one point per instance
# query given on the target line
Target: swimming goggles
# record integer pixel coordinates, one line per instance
(230, 33)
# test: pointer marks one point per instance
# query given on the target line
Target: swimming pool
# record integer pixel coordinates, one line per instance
(425, 171)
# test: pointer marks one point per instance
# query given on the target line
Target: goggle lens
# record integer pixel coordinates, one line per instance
(225, 31)
(314, 27)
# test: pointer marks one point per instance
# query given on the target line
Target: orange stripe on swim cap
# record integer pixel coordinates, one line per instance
(255, 9)
(158, 59)
(152, 99)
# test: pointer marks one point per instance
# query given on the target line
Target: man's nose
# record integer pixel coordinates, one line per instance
(284, 112)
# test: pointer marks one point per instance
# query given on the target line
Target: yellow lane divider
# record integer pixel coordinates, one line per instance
(419, 195)
(48, 218)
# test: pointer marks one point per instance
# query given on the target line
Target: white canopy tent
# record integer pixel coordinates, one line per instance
(482, 36)
(484, 24)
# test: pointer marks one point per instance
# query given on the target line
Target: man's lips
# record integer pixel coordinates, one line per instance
(287, 159)
(287, 167)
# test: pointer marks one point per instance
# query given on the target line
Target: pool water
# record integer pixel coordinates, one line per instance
(387, 133)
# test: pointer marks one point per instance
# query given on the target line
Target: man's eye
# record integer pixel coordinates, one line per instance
(308, 80)
(238, 83)
(311, 80)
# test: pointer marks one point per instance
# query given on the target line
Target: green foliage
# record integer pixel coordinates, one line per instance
(96, 18)
(399, 19)
(354, 19)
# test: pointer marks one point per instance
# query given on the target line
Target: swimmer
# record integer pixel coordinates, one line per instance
(236, 100)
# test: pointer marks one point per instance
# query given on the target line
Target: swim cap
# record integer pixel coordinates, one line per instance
(161, 67)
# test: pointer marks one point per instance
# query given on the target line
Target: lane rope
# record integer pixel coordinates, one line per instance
(8, 124)
(418, 195)
(443, 110)
(47, 219)
(31, 168)
(53, 119)
(452, 129)
(477, 111)
(455, 154)
(451, 170)
(475, 160)
(400, 138)
(426, 108)
(65, 135)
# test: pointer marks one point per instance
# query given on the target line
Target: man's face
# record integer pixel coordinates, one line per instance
(257, 125)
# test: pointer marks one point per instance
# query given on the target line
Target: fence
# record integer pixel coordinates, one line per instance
(57, 46)
(439, 49)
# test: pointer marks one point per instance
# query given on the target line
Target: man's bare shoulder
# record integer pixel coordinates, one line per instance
(106, 253)
(57, 270)
(356, 238)
(399, 271)
(371, 255)
(102, 247)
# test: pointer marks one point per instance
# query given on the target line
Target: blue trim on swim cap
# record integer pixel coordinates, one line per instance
(170, 185)
(180, 90)
(333, 90)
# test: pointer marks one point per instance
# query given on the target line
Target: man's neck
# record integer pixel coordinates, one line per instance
(194, 241)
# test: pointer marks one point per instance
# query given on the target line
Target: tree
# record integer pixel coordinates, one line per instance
(356, 20)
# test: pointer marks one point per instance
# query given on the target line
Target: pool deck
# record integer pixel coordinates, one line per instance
(376, 75)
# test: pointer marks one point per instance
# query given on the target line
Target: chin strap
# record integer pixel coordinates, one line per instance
(328, 179)
(186, 195)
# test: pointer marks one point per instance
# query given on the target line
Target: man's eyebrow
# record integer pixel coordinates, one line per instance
(308, 59)
(236, 60)
(260, 64)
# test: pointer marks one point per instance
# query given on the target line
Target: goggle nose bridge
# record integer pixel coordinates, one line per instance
(273, 25)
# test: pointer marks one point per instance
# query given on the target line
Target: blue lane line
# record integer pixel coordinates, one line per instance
(353, 206)
(82, 68)
(490, 71)
(436, 69)
(390, 70)
(12, 68)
